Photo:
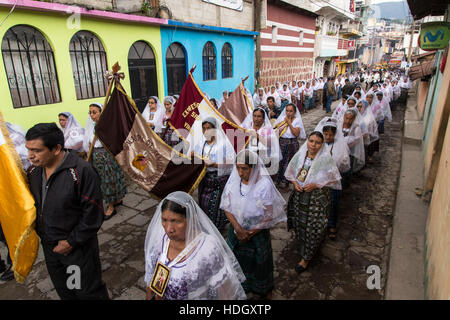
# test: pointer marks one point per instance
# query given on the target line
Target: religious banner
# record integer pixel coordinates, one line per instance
(193, 107)
(237, 106)
(17, 210)
(142, 154)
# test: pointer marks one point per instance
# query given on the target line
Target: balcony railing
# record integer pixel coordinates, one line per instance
(329, 46)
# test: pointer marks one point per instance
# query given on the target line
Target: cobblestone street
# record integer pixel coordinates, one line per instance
(337, 272)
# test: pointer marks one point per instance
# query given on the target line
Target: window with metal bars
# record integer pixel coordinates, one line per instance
(209, 62)
(30, 67)
(88, 65)
(227, 61)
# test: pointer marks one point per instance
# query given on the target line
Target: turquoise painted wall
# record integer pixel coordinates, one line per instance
(116, 37)
(193, 41)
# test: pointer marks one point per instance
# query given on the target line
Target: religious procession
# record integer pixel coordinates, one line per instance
(258, 192)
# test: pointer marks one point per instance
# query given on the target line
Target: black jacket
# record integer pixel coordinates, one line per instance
(348, 89)
(73, 208)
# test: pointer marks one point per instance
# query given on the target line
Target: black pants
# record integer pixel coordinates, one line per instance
(3, 239)
(87, 259)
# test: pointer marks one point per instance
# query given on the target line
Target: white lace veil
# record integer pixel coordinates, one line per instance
(257, 100)
(159, 113)
(89, 131)
(17, 135)
(263, 206)
(198, 224)
(323, 170)
(225, 150)
(73, 132)
(282, 116)
(340, 151)
(369, 121)
(355, 139)
(385, 105)
(272, 151)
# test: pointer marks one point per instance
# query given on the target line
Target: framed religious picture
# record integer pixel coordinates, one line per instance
(160, 279)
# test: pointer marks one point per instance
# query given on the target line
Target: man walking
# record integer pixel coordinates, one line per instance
(331, 92)
(348, 88)
(69, 212)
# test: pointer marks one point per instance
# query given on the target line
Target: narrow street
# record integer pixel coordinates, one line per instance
(337, 272)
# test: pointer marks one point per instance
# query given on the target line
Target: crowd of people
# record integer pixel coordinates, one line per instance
(218, 247)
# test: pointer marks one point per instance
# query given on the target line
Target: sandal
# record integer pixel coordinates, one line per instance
(299, 268)
(332, 234)
(107, 217)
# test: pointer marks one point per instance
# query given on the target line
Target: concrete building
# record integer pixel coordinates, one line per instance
(287, 44)
(55, 56)
(436, 150)
(223, 57)
(330, 44)
(77, 44)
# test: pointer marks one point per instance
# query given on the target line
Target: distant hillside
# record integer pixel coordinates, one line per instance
(390, 10)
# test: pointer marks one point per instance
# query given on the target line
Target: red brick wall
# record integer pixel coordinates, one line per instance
(285, 69)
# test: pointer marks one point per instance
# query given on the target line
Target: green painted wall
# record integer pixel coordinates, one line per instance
(116, 37)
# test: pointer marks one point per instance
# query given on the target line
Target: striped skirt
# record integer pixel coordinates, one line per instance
(209, 194)
(308, 215)
(256, 260)
(288, 148)
(111, 175)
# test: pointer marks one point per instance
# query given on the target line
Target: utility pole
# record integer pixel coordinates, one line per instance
(371, 49)
(411, 40)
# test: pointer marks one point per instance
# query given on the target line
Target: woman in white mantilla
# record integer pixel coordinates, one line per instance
(186, 258)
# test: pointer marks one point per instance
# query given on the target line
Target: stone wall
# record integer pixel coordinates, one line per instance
(285, 69)
(198, 11)
(125, 6)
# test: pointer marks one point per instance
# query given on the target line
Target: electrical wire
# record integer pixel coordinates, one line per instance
(11, 11)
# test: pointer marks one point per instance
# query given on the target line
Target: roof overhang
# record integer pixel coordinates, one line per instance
(419, 9)
(64, 9)
(329, 11)
(203, 27)
(291, 7)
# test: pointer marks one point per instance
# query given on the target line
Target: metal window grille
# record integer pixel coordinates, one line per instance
(30, 67)
(88, 65)
(209, 62)
(227, 61)
(176, 68)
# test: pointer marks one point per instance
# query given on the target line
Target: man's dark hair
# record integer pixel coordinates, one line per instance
(271, 98)
(174, 207)
(49, 133)
(347, 80)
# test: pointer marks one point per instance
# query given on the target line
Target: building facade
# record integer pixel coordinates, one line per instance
(287, 44)
(52, 64)
(436, 146)
(330, 44)
(55, 55)
(222, 57)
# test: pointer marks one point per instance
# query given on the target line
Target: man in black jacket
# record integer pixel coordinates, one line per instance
(69, 208)
(348, 88)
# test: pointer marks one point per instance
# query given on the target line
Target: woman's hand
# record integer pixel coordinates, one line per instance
(242, 234)
(311, 187)
(297, 187)
(149, 294)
